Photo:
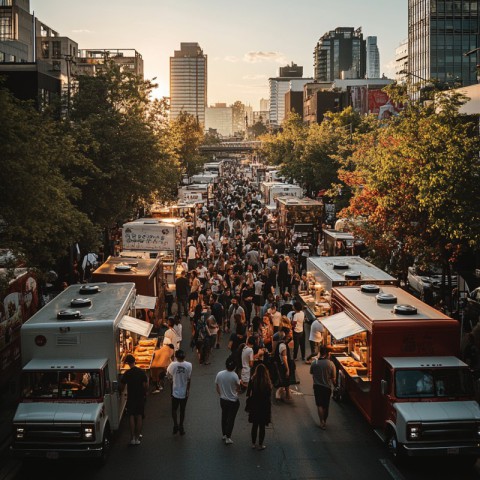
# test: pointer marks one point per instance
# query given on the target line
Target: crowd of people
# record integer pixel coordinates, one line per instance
(238, 278)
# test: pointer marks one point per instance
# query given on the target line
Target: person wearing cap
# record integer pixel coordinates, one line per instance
(227, 384)
(179, 373)
(135, 381)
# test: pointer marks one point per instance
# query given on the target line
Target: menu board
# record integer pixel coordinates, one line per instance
(148, 237)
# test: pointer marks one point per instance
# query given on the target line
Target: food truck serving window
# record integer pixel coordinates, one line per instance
(341, 325)
(134, 325)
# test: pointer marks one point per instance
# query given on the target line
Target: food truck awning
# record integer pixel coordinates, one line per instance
(341, 325)
(142, 301)
(135, 325)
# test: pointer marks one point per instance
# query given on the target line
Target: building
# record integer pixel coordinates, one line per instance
(340, 53)
(261, 116)
(188, 82)
(279, 86)
(439, 34)
(373, 58)
(219, 117)
(17, 32)
(91, 61)
(401, 61)
(294, 102)
(264, 104)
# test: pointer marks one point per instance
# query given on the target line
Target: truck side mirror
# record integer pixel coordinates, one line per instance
(114, 386)
(384, 387)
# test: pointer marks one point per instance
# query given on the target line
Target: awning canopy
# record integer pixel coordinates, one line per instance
(341, 325)
(143, 301)
(135, 325)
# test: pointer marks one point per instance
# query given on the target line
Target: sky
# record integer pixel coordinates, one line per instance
(246, 41)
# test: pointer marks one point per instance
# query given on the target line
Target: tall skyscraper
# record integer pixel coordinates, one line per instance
(373, 58)
(340, 54)
(439, 33)
(188, 82)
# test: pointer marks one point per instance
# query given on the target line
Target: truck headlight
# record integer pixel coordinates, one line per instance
(19, 433)
(414, 430)
(88, 432)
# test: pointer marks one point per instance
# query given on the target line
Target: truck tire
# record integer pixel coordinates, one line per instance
(106, 446)
(392, 444)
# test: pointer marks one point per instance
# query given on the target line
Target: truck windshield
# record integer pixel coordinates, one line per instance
(431, 383)
(61, 384)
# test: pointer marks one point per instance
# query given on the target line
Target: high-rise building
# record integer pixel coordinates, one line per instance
(340, 53)
(401, 61)
(188, 82)
(220, 118)
(373, 58)
(279, 86)
(264, 104)
(439, 34)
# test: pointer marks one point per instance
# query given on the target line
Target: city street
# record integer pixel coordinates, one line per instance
(296, 447)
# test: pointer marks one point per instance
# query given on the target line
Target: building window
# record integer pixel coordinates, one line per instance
(56, 49)
(6, 28)
(46, 49)
(5, 3)
(56, 66)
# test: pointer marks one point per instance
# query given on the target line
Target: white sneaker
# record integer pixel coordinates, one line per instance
(132, 442)
(228, 441)
(224, 437)
(137, 441)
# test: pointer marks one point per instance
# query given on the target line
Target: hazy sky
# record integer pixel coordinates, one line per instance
(246, 40)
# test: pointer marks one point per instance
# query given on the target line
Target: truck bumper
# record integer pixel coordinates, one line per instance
(425, 450)
(55, 452)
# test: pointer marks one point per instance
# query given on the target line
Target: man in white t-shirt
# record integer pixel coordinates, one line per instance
(298, 322)
(202, 272)
(276, 316)
(315, 338)
(247, 362)
(179, 373)
(228, 387)
(191, 256)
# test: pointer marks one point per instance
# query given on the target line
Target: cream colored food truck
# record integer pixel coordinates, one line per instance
(72, 360)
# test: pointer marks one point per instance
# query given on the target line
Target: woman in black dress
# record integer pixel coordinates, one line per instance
(259, 392)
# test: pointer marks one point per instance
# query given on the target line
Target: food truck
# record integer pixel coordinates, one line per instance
(195, 193)
(166, 236)
(338, 243)
(397, 361)
(324, 273)
(204, 179)
(186, 210)
(148, 277)
(73, 352)
(271, 190)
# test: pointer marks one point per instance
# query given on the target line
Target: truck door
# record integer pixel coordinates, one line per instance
(386, 398)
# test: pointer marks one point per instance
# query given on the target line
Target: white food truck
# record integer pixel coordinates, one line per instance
(72, 352)
(272, 190)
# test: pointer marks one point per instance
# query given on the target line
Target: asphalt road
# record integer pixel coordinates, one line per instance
(297, 449)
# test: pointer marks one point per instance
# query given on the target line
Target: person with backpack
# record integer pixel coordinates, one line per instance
(235, 308)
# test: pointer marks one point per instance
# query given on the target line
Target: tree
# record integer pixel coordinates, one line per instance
(126, 137)
(38, 201)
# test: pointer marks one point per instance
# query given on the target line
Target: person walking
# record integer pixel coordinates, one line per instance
(158, 370)
(315, 338)
(259, 398)
(135, 381)
(323, 372)
(182, 290)
(228, 387)
(179, 373)
(298, 323)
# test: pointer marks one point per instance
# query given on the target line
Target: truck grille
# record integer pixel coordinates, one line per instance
(448, 431)
(52, 434)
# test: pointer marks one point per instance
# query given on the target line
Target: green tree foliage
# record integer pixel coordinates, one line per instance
(187, 136)
(127, 139)
(416, 180)
(38, 200)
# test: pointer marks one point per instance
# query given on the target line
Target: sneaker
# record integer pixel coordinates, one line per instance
(224, 437)
(253, 446)
(137, 441)
(157, 390)
(181, 430)
(133, 442)
(228, 441)
(262, 447)
(140, 436)
(175, 429)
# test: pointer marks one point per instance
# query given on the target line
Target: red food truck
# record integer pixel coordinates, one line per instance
(397, 361)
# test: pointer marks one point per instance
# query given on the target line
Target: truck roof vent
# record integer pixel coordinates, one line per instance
(81, 302)
(368, 288)
(150, 222)
(352, 276)
(89, 289)
(68, 315)
(386, 298)
(404, 310)
(340, 266)
(122, 267)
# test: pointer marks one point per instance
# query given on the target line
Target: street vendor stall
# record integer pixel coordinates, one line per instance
(324, 273)
(148, 276)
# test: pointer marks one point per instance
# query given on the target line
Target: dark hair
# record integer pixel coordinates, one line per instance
(250, 340)
(130, 359)
(323, 350)
(180, 354)
(230, 364)
(297, 306)
(261, 380)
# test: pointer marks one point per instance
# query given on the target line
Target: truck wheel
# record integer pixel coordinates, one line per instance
(106, 446)
(392, 444)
